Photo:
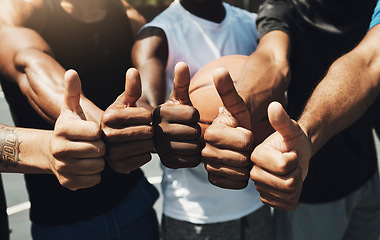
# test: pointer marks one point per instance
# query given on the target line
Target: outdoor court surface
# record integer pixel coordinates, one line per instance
(17, 199)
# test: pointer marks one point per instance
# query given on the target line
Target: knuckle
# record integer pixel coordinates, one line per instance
(291, 185)
(283, 167)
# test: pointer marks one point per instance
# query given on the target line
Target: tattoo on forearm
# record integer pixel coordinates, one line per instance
(9, 148)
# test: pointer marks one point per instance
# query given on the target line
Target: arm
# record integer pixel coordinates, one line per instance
(150, 55)
(347, 91)
(266, 75)
(27, 60)
(73, 151)
(174, 121)
(349, 88)
(20, 153)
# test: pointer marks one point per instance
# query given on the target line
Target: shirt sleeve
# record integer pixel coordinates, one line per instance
(376, 16)
(275, 15)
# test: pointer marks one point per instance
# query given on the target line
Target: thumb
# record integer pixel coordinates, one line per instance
(233, 103)
(132, 87)
(281, 122)
(73, 90)
(181, 83)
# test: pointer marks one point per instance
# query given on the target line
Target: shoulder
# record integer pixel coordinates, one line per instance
(240, 13)
(31, 13)
(137, 20)
(170, 18)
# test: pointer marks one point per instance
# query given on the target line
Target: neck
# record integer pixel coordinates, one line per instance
(211, 10)
(85, 10)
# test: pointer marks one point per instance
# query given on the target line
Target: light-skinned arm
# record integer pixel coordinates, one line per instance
(350, 87)
(73, 151)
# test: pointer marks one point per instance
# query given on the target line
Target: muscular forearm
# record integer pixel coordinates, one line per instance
(41, 81)
(24, 150)
(350, 87)
(266, 75)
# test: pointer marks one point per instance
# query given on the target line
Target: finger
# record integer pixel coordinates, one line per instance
(128, 149)
(78, 150)
(235, 173)
(176, 114)
(128, 164)
(75, 182)
(274, 161)
(73, 91)
(231, 99)
(287, 183)
(78, 130)
(123, 117)
(85, 166)
(179, 161)
(132, 87)
(178, 132)
(225, 156)
(227, 183)
(281, 121)
(133, 133)
(180, 91)
(238, 139)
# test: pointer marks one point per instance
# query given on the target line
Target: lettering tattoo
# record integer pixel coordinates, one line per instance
(9, 148)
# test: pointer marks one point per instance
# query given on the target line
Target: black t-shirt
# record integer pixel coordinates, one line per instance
(4, 226)
(321, 31)
(101, 53)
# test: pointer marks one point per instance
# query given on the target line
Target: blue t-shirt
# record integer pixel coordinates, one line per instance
(376, 16)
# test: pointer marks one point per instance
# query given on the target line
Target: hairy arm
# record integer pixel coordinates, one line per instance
(349, 88)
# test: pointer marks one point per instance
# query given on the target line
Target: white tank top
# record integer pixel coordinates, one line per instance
(188, 195)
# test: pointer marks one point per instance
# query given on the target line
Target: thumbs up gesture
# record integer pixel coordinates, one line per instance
(281, 162)
(176, 126)
(127, 129)
(229, 141)
(76, 148)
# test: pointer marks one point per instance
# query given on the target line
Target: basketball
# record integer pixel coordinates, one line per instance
(206, 100)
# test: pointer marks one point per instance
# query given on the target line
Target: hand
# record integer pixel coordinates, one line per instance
(176, 125)
(229, 141)
(281, 162)
(76, 147)
(127, 129)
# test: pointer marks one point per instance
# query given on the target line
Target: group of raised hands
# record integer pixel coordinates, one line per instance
(127, 135)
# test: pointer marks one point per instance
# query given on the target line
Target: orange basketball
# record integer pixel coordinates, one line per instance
(206, 99)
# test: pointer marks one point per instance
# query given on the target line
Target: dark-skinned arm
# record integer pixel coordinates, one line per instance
(176, 131)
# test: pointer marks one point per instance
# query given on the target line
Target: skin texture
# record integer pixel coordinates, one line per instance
(127, 129)
(229, 140)
(175, 120)
(76, 144)
(350, 87)
(73, 151)
(27, 60)
(176, 125)
(270, 70)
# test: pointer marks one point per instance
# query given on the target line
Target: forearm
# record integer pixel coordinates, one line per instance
(24, 150)
(153, 91)
(41, 81)
(149, 56)
(266, 75)
(342, 97)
